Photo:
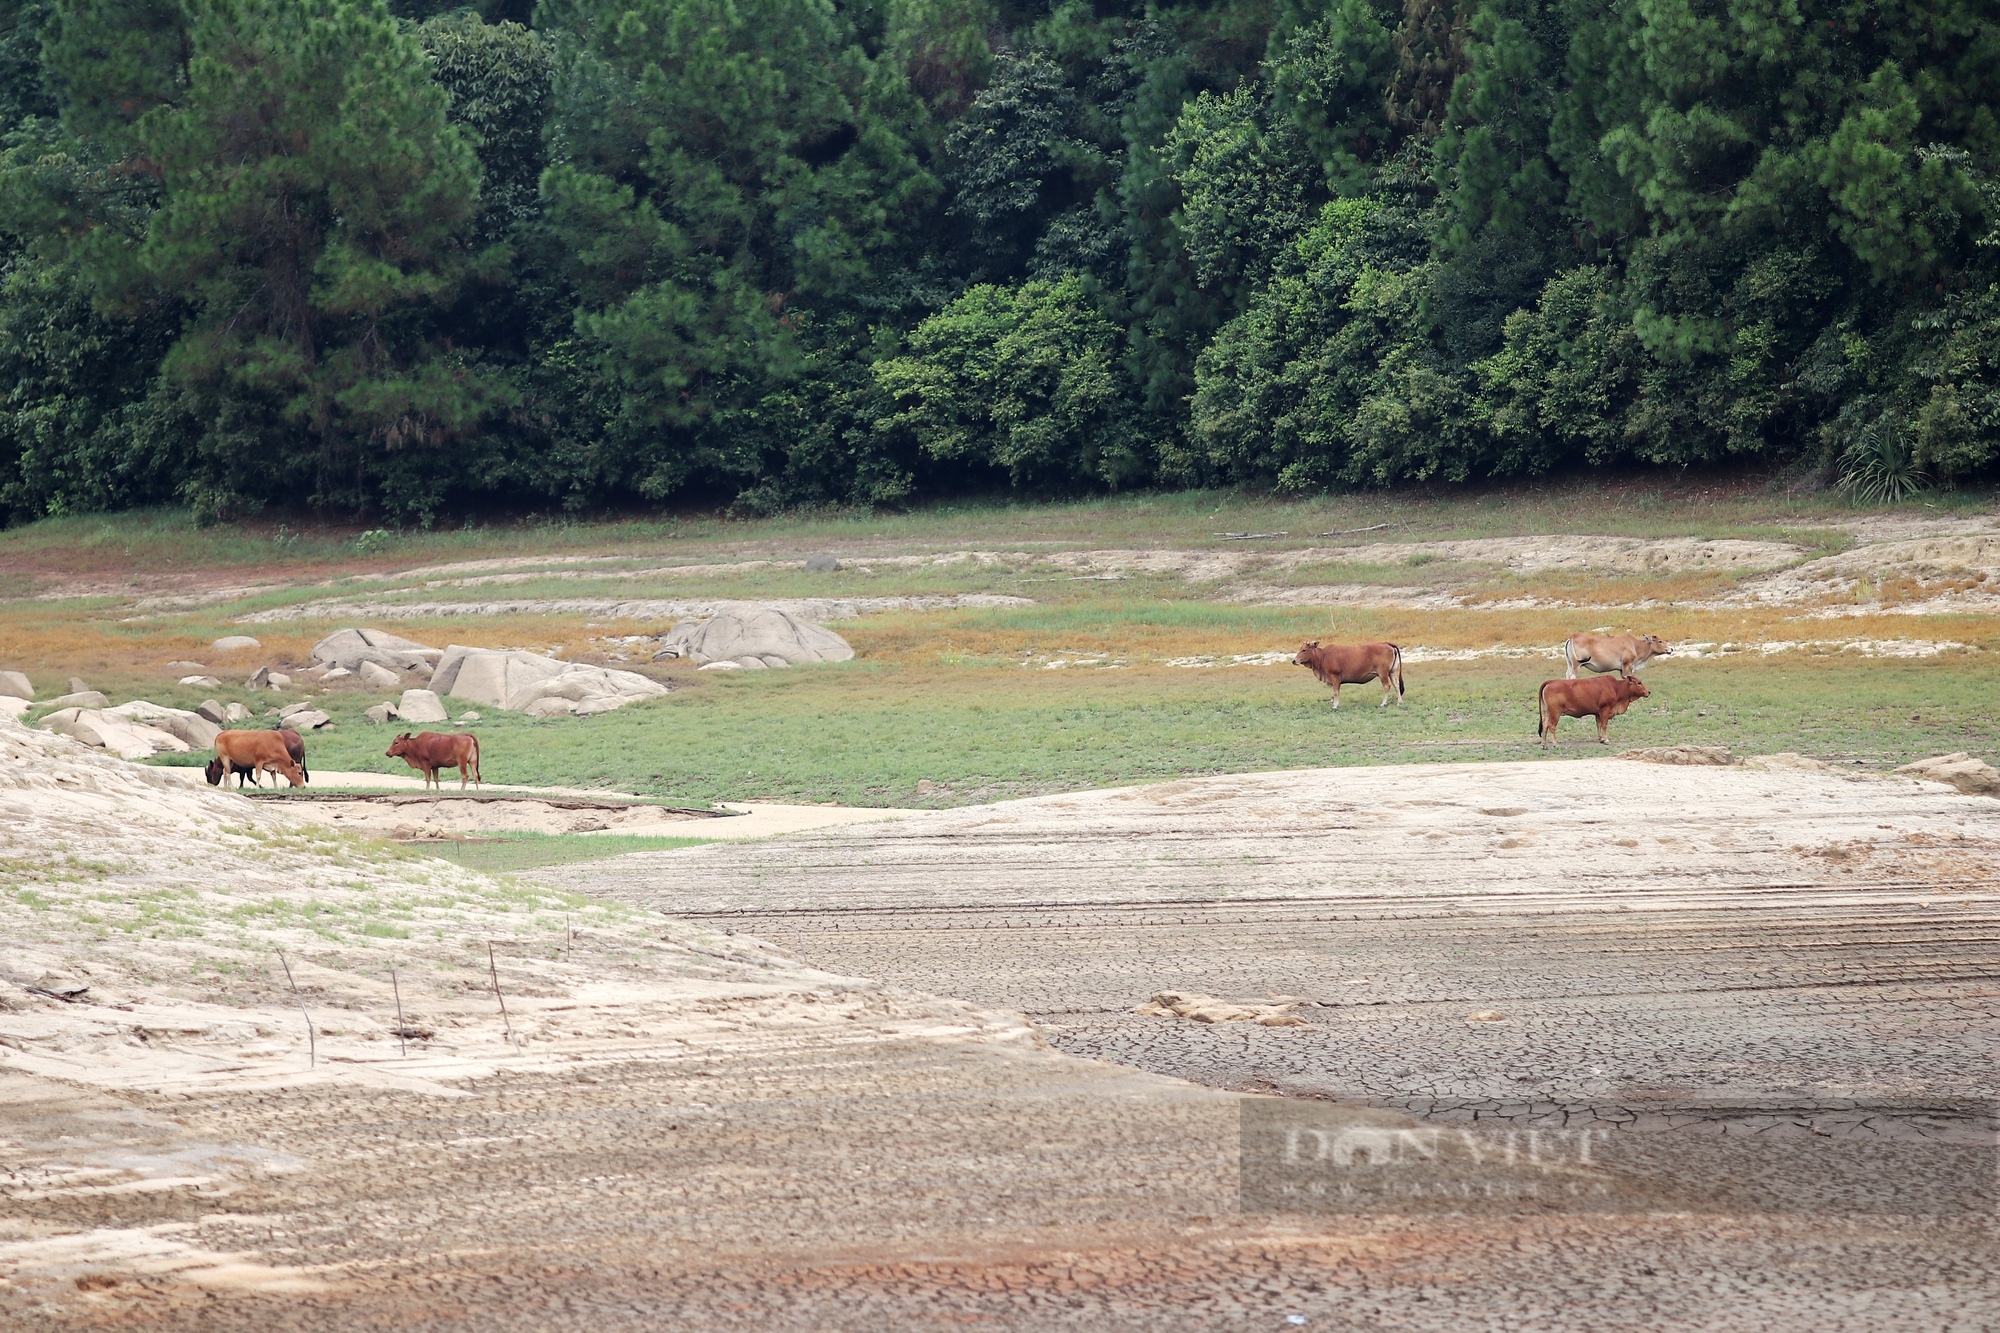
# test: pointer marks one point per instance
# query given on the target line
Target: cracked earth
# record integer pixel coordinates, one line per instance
(1613, 1042)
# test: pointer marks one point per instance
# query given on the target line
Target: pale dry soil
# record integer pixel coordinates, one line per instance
(732, 1096)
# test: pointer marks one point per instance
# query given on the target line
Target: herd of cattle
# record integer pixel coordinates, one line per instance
(249, 753)
(1603, 699)
(283, 753)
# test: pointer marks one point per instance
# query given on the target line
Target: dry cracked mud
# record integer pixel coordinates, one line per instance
(1608, 1042)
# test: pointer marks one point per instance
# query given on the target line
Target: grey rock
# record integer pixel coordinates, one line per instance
(76, 685)
(374, 673)
(194, 731)
(258, 679)
(468, 716)
(502, 678)
(381, 713)
(289, 709)
(338, 673)
(213, 711)
(202, 682)
(80, 699)
(278, 680)
(237, 713)
(821, 564)
(187, 666)
(309, 720)
(233, 642)
(351, 647)
(733, 636)
(14, 685)
(421, 706)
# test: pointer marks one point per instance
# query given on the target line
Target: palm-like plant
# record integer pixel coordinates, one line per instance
(1879, 464)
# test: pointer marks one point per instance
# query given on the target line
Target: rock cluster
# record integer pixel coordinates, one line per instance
(357, 649)
(137, 730)
(1704, 756)
(753, 640)
(529, 683)
(1974, 777)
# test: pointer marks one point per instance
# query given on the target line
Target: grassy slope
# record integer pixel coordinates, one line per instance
(944, 695)
(866, 735)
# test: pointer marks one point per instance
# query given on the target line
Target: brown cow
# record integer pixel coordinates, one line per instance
(266, 750)
(1601, 699)
(430, 751)
(294, 744)
(1623, 653)
(1337, 666)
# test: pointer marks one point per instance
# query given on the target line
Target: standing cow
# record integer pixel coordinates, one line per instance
(1623, 653)
(295, 745)
(428, 752)
(1336, 666)
(1601, 699)
(265, 750)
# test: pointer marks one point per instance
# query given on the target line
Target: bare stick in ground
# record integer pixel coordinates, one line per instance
(495, 969)
(402, 1028)
(312, 1043)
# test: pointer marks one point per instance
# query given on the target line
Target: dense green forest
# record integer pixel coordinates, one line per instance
(421, 262)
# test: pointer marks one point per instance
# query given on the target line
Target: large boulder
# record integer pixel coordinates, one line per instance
(108, 731)
(1974, 777)
(374, 673)
(196, 731)
(421, 706)
(537, 685)
(766, 638)
(351, 647)
(92, 699)
(14, 685)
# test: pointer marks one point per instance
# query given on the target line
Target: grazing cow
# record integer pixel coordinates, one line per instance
(295, 745)
(1601, 699)
(236, 751)
(1337, 666)
(1623, 653)
(430, 751)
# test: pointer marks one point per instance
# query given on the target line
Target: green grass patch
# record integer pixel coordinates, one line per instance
(505, 853)
(867, 735)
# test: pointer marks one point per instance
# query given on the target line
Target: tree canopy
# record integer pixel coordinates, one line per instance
(410, 259)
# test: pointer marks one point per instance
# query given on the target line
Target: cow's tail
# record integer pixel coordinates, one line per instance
(475, 762)
(1569, 659)
(1542, 710)
(1398, 668)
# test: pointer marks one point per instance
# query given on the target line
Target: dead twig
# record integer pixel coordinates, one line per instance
(1247, 536)
(1349, 532)
(312, 1042)
(402, 1028)
(495, 969)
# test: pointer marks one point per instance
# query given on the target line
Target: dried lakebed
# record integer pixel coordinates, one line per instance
(1652, 947)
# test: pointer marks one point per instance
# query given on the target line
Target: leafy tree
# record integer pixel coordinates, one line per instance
(310, 203)
(1025, 382)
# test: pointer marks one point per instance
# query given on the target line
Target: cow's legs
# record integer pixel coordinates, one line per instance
(1603, 730)
(1388, 689)
(1336, 696)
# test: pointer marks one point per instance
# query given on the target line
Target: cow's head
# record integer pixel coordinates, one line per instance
(400, 746)
(1635, 688)
(1306, 653)
(213, 772)
(1658, 646)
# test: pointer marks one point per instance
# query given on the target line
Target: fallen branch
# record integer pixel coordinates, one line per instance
(402, 1029)
(495, 969)
(1247, 536)
(1349, 532)
(68, 994)
(312, 1042)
